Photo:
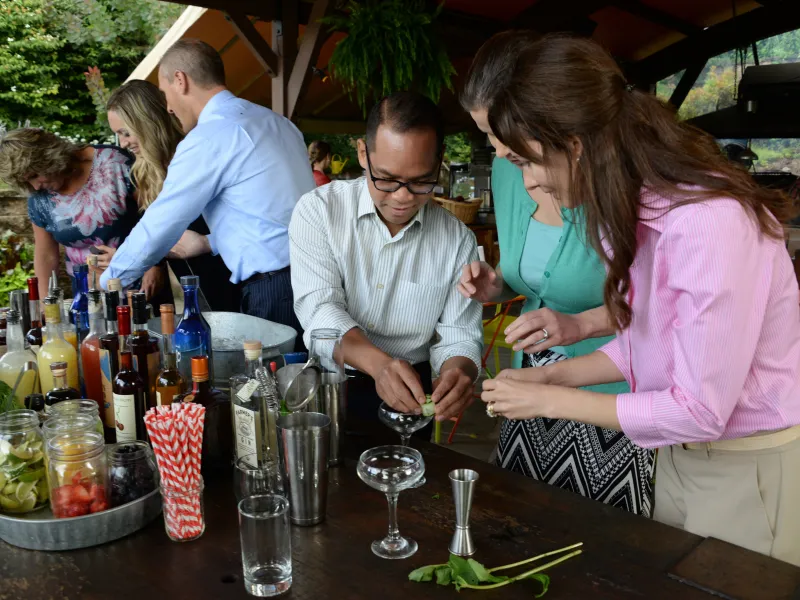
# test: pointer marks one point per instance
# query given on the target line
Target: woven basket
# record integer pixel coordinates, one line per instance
(464, 211)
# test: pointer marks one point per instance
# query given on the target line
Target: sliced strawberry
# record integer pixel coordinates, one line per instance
(98, 506)
(75, 510)
(80, 495)
(62, 495)
(76, 477)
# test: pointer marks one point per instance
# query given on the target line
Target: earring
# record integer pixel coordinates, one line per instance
(577, 160)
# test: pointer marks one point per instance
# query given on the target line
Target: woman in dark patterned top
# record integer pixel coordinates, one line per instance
(78, 197)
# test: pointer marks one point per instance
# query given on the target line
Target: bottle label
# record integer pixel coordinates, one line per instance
(158, 399)
(106, 379)
(246, 425)
(125, 415)
(247, 390)
(153, 364)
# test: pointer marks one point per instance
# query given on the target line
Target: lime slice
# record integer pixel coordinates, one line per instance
(42, 490)
(429, 408)
(37, 456)
(2, 458)
(10, 488)
(28, 503)
(22, 451)
(35, 445)
(8, 503)
(3, 480)
(24, 488)
(5, 447)
(33, 476)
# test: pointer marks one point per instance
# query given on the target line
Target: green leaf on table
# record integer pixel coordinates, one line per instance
(462, 570)
(444, 575)
(541, 578)
(423, 574)
(435, 496)
(482, 573)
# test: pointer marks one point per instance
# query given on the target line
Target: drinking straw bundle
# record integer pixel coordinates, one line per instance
(176, 433)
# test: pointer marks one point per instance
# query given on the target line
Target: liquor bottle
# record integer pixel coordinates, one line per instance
(15, 358)
(254, 424)
(3, 330)
(146, 355)
(61, 390)
(90, 351)
(109, 362)
(80, 303)
(192, 335)
(68, 333)
(34, 336)
(130, 392)
(217, 438)
(56, 349)
(169, 382)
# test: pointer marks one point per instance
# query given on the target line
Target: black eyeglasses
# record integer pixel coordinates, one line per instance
(418, 188)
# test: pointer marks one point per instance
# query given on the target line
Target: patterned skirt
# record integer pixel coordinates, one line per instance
(601, 464)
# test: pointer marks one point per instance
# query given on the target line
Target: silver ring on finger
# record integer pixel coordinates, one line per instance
(544, 339)
(490, 410)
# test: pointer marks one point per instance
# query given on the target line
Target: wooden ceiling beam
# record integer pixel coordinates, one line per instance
(314, 37)
(250, 37)
(557, 15)
(737, 32)
(656, 16)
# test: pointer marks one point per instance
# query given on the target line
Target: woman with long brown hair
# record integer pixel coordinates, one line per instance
(699, 285)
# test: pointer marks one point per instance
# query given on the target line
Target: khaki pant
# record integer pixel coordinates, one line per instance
(750, 498)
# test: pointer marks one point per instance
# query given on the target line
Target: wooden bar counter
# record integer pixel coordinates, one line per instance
(513, 518)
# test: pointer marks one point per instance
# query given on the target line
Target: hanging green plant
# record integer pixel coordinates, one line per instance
(391, 45)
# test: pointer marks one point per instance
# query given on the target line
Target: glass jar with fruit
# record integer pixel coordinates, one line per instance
(132, 472)
(23, 476)
(78, 474)
(78, 407)
(61, 424)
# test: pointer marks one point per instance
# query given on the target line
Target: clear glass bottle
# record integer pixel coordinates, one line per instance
(217, 431)
(3, 329)
(130, 391)
(23, 476)
(56, 349)
(169, 382)
(60, 391)
(109, 361)
(255, 419)
(78, 474)
(16, 356)
(90, 350)
(192, 335)
(34, 335)
(144, 347)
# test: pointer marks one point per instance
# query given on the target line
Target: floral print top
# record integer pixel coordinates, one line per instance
(102, 212)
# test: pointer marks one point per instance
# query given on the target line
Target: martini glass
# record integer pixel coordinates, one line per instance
(405, 424)
(392, 469)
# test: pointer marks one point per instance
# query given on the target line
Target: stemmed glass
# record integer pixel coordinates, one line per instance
(405, 424)
(392, 469)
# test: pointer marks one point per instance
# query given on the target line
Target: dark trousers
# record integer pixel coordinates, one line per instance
(271, 298)
(363, 400)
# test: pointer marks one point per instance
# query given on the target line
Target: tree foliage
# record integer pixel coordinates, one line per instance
(47, 46)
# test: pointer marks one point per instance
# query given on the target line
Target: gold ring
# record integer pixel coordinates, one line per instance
(490, 410)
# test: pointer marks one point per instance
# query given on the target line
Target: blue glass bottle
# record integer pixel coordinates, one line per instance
(79, 312)
(192, 335)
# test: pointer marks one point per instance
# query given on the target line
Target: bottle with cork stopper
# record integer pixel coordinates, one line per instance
(169, 382)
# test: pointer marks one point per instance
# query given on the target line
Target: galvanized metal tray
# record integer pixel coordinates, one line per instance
(40, 530)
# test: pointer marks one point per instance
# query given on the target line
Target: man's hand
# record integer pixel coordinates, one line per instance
(452, 393)
(104, 259)
(153, 280)
(398, 384)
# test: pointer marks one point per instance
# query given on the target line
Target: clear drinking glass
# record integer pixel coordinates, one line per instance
(266, 544)
(405, 424)
(256, 481)
(392, 469)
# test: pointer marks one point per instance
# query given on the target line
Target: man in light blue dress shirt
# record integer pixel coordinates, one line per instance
(242, 166)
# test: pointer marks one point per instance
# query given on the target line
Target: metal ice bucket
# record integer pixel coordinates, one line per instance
(228, 332)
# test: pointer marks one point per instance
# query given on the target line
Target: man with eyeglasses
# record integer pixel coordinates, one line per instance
(378, 260)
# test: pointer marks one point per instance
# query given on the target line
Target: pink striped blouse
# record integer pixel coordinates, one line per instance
(713, 350)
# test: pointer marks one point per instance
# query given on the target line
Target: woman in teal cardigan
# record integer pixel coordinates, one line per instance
(544, 256)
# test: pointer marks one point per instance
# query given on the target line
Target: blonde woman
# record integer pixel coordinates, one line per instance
(137, 112)
(319, 155)
(79, 196)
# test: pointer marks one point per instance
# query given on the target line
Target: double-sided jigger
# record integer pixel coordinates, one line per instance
(463, 482)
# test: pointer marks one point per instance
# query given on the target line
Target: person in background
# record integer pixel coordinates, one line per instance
(242, 167)
(79, 196)
(545, 257)
(137, 113)
(319, 155)
(375, 259)
(699, 285)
